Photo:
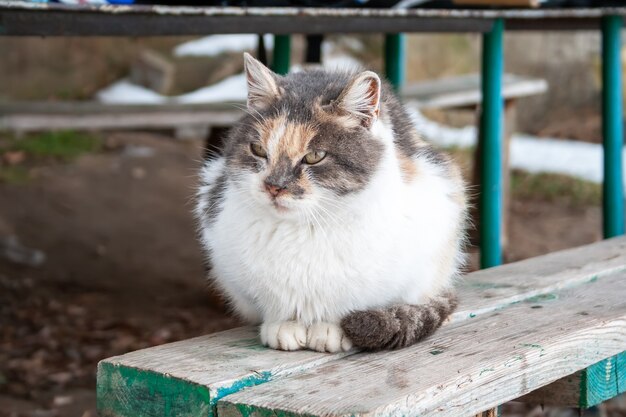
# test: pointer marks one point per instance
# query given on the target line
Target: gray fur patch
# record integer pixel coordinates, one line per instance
(398, 326)
(214, 197)
(352, 158)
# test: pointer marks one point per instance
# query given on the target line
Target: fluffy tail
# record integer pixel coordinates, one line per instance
(398, 326)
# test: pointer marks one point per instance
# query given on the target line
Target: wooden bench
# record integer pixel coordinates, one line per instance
(526, 329)
(450, 92)
(29, 117)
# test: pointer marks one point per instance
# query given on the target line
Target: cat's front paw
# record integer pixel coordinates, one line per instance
(284, 335)
(327, 337)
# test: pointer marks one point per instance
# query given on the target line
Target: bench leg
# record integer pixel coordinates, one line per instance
(395, 52)
(281, 58)
(489, 413)
(314, 49)
(510, 119)
(490, 227)
(612, 126)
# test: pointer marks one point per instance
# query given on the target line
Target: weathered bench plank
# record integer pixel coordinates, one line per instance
(494, 288)
(462, 370)
(187, 378)
(600, 382)
(464, 91)
(184, 377)
(27, 117)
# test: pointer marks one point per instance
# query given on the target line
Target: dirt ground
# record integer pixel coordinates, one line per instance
(123, 269)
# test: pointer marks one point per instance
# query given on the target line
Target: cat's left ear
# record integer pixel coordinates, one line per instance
(361, 98)
(262, 83)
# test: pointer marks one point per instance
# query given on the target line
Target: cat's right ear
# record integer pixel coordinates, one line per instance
(262, 83)
(361, 98)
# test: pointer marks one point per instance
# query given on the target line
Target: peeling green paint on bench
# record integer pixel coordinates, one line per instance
(187, 378)
(603, 380)
(169, 397)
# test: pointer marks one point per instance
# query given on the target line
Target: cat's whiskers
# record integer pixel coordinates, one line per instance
(320, 227)
(327, 215)
(332, 203)
(247, 110)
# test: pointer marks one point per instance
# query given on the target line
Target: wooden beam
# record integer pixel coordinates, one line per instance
(23, 18)
(23, 117)
(464, 91)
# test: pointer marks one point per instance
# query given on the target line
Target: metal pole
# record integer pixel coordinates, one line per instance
(282, 54)
(395, 53)
(491, 128)
(612, 127)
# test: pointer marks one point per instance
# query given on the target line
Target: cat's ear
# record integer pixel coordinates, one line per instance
(262, 83)
(361, 98)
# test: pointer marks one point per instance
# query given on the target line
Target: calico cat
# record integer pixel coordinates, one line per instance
(328, 220)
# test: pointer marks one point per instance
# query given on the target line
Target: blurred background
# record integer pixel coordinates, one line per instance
(97, 244)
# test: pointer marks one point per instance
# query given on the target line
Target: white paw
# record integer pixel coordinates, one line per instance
(284, 335)
(327, 337)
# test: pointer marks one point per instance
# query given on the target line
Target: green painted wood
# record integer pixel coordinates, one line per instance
(491, 137)
(621, 372)
(187, 378)
(124, 391)
(603, 381)
(612, 126)
(281, 58)
(395, 58)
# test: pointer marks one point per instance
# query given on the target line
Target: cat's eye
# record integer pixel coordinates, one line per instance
(258, 150)
(314, 157)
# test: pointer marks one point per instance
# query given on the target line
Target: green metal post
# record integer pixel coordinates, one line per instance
(395, 52)
(491, 130)
(612, 127)
(596, 390)
(282, 54)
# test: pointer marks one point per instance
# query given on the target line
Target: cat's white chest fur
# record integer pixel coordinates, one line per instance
(379, 247)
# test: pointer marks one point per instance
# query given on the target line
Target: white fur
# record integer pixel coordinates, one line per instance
(285, 335)
(362, 97)
(385, 244)
(327, 337)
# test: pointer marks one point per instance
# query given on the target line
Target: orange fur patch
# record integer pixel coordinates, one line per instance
(282, 137)
(407, 167)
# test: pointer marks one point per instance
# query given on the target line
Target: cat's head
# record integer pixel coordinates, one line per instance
(307, 140)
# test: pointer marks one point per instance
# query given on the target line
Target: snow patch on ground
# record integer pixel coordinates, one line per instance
(230, 89)
(216, 44)
(125, 92)
(528, 153)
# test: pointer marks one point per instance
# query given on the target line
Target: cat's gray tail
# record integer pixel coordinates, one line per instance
(398, 326)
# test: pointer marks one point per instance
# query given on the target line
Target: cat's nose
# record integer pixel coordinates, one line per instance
(274, 190)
